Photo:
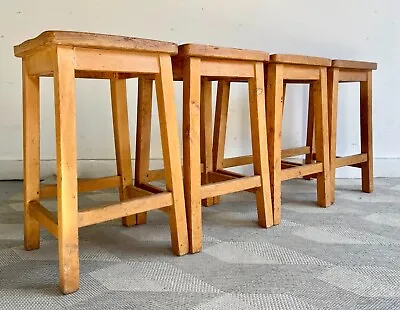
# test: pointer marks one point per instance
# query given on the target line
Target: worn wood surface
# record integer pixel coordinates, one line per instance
(172, 155)
(300, 60)
(67, 187)
(259, 145)
(204, 51)
(31, 149)
(274, 105)
(191, 150)
(93, 40)
(351, 64)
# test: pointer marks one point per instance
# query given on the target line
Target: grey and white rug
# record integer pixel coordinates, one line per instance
(344, 257)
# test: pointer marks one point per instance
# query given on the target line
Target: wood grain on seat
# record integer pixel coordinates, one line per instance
(199, 50)
(350, 64)
(300, 60)
(94, 40)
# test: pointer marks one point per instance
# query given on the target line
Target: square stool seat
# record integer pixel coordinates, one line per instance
(300, 60)
(352, 64)
(209, 51)
(94, 40)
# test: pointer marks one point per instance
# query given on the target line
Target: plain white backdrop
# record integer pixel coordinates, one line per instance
(355, 29)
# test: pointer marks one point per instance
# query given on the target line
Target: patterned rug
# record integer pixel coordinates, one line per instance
(344, 257)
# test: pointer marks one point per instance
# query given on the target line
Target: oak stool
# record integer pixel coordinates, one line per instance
(279, 71)
(199, 65)
(299, 70)
(347, 71)
(66, 56)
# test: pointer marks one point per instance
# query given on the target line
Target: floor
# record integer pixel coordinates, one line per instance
(344, 257)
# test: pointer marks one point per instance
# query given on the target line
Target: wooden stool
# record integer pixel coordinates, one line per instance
(346, 71)
(66, 55)
(198, 66)
(299, 70)
(281, 70)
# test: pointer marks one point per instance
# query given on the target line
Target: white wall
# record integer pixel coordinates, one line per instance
(357, 29)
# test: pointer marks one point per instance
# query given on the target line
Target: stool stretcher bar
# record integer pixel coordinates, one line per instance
(84, 185)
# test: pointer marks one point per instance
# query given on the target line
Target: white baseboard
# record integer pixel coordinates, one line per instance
(13, 169)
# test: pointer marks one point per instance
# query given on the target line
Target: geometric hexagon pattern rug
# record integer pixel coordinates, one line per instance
(344, 257)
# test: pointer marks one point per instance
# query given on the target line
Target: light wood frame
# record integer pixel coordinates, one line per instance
(65, 63)
(201, 165)
(277, 76)
(364, 160)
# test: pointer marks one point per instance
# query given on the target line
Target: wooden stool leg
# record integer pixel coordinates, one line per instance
(284, 97)
(171, 154)
(333, 84)
(320, 98)
(310, 126)
(143, 135)
(122, 141)
(366, 134)
(274, 132)
(67, 203)
(206, 135)
(31, 120)
(259, 145)
(310, 139)
(220, 124)
(191, 150)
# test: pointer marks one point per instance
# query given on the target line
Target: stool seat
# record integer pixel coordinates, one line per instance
(300, 60)
(200, 50)
(94, 40)
(351, 64)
